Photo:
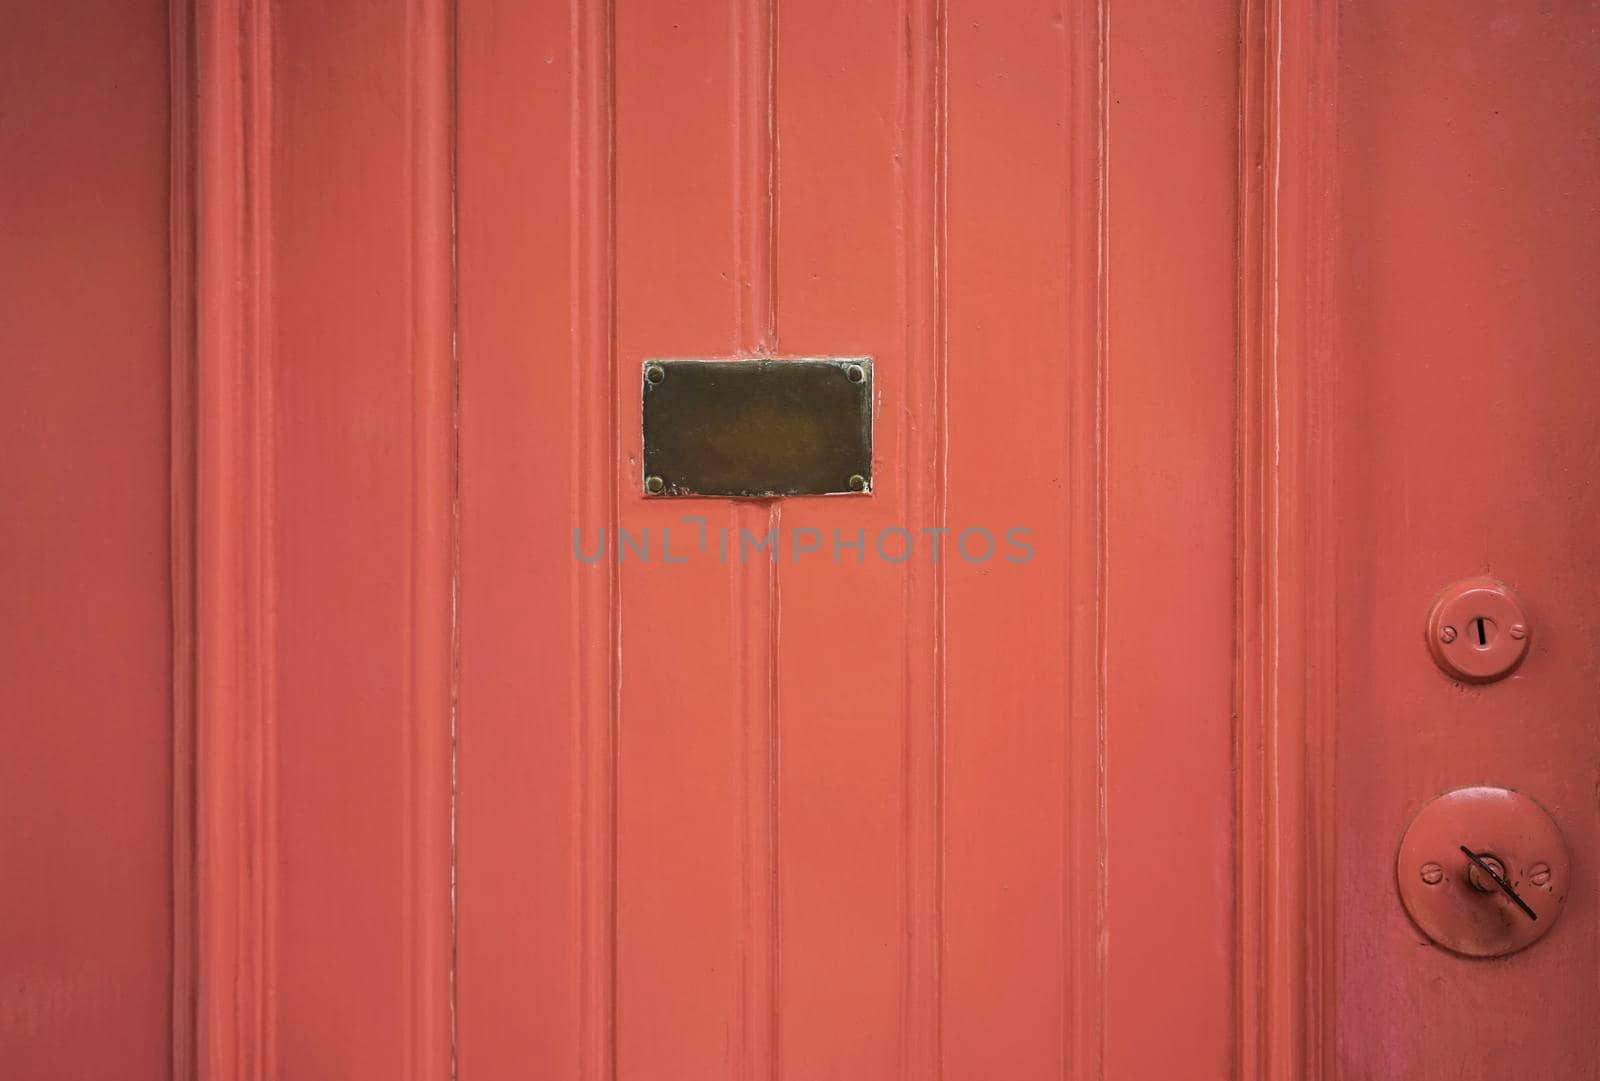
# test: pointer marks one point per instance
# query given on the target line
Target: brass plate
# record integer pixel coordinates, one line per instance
(756, 429)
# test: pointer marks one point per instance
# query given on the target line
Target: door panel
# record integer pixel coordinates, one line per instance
(847, 817)
(834, 817)
(1011, 201)
(1168, 549)
(521, 907)
(849, 644)
(687, 917)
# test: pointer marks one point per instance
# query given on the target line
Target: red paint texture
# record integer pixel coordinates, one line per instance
(329, 759)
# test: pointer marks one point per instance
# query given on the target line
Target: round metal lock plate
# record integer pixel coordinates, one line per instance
(1478, 631)
(1460, 905)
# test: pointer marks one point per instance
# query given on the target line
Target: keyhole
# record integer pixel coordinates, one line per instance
(1481, 630)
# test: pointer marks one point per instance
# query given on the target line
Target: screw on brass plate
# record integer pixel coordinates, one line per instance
(1518, 631)
(1447, 634)
(1432, 873)
(654, 485)
(655, 373)
(858, 483)
(856, 373)
(1539, 874)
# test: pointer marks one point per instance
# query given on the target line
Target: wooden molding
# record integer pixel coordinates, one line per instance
(181, 289)
(1284, 720)
(230, 519)
(433, 664)
(592, 238)
(233, 543)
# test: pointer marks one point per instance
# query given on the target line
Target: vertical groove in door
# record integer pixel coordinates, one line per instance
(594, 324)
(1102, 818)
(431, 549)
(1084, 862)
(757, 590)
(181, 285)
(1102, 532)
(1252, 608)
(924, 149)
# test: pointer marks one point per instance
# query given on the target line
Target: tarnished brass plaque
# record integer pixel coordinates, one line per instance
(756, 429)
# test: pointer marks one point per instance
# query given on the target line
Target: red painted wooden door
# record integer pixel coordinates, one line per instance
(1240, 331)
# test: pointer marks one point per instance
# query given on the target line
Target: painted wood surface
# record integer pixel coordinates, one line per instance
(1468, 206)
(86, 647)
(1264, 321)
